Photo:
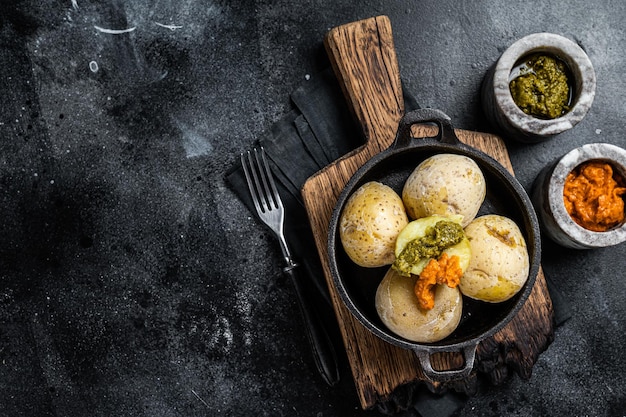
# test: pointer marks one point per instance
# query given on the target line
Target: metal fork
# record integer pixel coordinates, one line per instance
(270, 210)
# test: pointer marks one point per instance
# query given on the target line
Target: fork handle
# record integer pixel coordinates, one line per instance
(323, 350)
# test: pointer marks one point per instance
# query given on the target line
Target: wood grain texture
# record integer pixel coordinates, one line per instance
(364, 60)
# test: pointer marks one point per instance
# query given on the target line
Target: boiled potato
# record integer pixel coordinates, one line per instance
(445, 184)
(369, 224)
(499, 265)
(417, 228)
(398, 308)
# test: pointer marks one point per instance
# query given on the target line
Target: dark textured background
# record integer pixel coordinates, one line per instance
(133, 282)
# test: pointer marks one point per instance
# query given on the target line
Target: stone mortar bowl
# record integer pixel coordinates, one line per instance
(547, 197)
(501, 110)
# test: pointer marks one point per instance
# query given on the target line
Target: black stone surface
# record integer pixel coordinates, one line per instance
(132, 280)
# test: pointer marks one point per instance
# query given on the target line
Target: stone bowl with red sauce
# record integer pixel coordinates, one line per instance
(557, 222)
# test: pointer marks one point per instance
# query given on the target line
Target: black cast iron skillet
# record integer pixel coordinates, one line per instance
(357, 285)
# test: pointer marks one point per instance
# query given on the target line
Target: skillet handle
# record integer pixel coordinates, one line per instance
(427, 115)
(469, 352)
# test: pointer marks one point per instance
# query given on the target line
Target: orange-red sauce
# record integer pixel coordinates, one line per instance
(593, 196)
(445, 270)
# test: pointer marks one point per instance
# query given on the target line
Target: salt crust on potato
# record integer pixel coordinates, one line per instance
(500, 263)
(370, 223)
(445, 184)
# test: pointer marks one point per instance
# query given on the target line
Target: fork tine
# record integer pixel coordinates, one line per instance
(260, 181)
(262, 184)
(271, 191)
(248, 169)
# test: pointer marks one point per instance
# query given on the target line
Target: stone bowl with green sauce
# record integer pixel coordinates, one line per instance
(542, 85)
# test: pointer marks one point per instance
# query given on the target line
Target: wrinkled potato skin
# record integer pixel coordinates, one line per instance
(397, 307)
(500, 263)
(445, 184)
(369, 224)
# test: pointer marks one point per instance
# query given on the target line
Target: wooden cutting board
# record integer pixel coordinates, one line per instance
(364, 60)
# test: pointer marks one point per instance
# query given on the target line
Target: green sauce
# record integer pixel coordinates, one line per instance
(437, 238)
(542, 89)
